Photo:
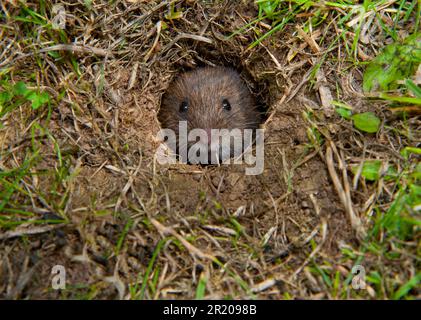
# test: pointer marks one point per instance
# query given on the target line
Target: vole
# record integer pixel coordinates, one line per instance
(209, 98)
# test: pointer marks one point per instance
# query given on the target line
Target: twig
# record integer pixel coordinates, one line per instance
(192, 249)
(344, 193)
(34, 230)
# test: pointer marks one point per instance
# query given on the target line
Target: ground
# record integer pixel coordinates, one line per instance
(81, 187)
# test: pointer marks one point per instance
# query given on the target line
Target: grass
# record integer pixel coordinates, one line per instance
(140, 294)
(399, 224)
(51, 92)
(394, 231)
(347, 13)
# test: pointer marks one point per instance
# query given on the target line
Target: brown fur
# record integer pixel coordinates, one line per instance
(205, 89)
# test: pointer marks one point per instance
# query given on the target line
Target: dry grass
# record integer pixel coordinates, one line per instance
(81, 187)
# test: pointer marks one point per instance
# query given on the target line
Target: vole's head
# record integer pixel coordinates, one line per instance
(209, 98)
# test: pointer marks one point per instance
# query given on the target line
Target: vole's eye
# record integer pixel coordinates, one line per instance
(226, 105)
(184, 106)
